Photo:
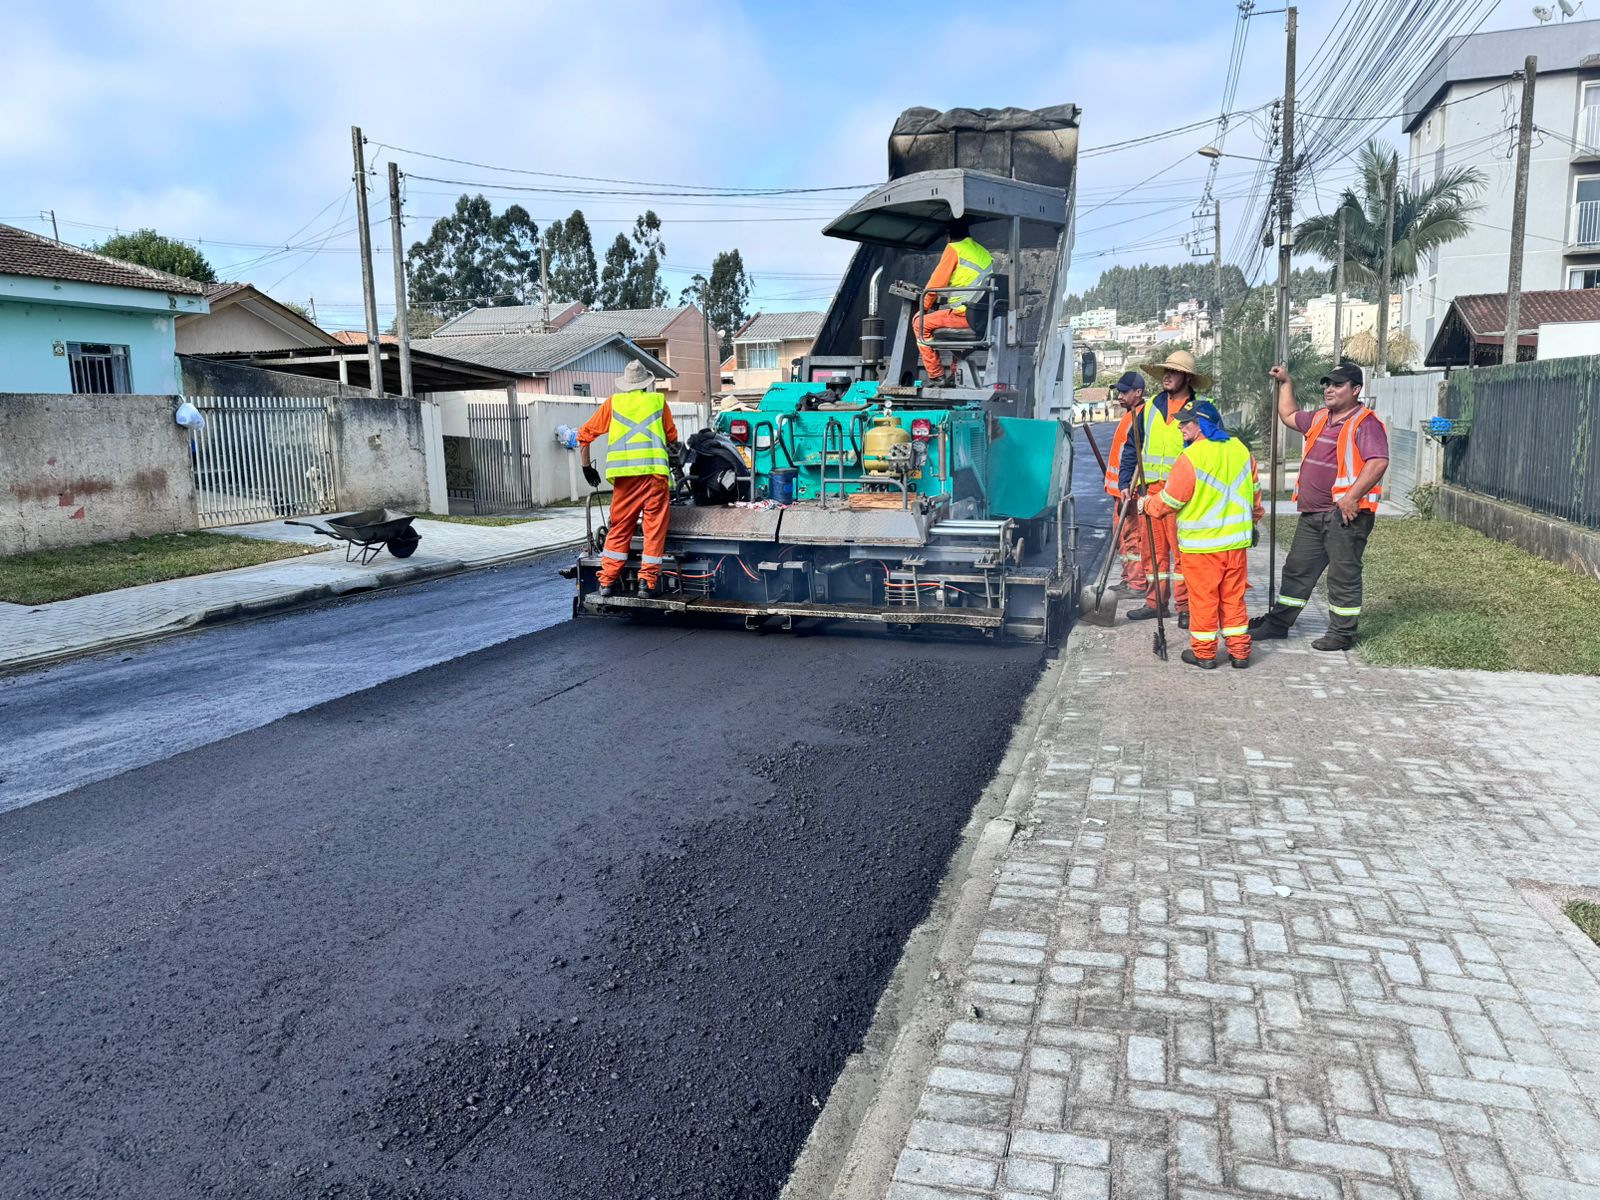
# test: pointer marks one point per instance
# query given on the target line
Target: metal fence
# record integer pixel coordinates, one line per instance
(501, 467)
(1531, 440)
(1405, 402)
(262, 457)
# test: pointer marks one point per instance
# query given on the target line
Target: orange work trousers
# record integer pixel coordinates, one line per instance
(1163, 564)
(926, 323)
(632, 497)
(1217, 584)
(1130, 545)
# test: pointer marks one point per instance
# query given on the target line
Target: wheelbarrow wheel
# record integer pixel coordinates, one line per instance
(404, 543)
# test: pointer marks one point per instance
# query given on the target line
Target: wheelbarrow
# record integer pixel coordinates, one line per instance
(367, 532)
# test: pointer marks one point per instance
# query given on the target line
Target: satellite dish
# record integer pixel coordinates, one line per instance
(1542, 14)
(1568, 9)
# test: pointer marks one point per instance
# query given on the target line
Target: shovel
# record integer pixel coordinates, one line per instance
(1090, 611)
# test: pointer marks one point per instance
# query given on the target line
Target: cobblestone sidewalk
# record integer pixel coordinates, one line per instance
(1285, 932)
(33, 635)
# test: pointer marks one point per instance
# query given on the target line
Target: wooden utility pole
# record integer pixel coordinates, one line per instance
(1338, 294)
(1285, 252)
(368, 293)
(1381, 367)
(1519, 215)
(402, 319)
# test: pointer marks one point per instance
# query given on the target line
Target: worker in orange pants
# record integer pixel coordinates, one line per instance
(959, 280)
(640, 435)
(1212, 502)
(1130, 541)
(1163, 562)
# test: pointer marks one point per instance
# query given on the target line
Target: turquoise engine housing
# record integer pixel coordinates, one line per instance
(990, 466)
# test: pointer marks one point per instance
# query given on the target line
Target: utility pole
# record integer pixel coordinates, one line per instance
(402, 320)
(705, 336)
(1285, 252)
(1338, 293)
(1216, 283)
(544, 282)
(312, 301)
(368, 288)
(1381, 367)
(54, 228)
(1519, 215)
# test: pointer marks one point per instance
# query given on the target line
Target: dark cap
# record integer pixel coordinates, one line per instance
(1131, 381)
(1345, 372)
(1196, 410)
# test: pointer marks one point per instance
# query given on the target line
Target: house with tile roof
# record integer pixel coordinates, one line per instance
(765, 349)
(1473, 332)
(242, 317)
(72, 321)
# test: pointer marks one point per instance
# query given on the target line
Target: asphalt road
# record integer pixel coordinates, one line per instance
(356, 909)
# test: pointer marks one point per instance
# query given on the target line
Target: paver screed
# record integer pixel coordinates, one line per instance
(1281, 932)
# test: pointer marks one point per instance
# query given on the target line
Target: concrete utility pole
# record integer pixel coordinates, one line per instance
(1285, 253)
(705, 335)
(544, 282)
(1216, 282)
(1519, 215)
(54, 228)
(368, 288)
(1338, 293)
(1381, 367)
(402, 326)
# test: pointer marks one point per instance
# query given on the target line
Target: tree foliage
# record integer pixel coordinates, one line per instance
(148, 248)
(1245, 393)
(1424, 219)
(723, 297)
(574, 273)
(475, 258)
(631, 277)
(1144, 292)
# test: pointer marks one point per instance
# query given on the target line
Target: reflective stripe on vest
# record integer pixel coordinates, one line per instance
(1219, 516)
(1347, 455)
(1119, 441)
(974, 265)
(637, 441)
(1163, 442)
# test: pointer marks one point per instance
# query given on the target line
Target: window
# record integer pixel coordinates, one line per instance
(99, 369)
(1582, 278)
(1586, 211)
(1589, 117)
(581, 389)
(756, 356)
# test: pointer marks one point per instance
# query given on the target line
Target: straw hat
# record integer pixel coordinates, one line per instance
(1180, 360)
(635, 377)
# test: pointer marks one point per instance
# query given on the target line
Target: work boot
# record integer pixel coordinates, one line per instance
(1266, 627)
(650, 589)
(1146, 613)
(1194, 660)
(1332, 641)
(606, 591)
(1239, 664)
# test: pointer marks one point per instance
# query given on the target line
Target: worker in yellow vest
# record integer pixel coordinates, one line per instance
(1213, 493)
(640, 435)
(965, 266)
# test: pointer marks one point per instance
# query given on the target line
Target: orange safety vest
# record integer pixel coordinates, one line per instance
(1119, 441)
(1350, 462)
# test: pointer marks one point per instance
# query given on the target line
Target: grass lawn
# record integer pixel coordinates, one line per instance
(1586, 917)
(478, 520)
(47, 575)
(1441, 595)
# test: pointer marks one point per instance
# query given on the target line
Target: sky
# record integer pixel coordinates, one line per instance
(228, 125)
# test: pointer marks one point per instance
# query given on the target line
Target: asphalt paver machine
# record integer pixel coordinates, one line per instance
(857, 491)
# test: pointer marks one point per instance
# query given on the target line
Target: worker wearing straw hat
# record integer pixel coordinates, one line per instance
(1156, 450)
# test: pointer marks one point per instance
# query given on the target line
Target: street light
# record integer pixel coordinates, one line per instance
(1213, 152)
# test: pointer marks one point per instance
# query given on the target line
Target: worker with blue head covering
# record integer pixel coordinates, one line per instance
(1212, 489)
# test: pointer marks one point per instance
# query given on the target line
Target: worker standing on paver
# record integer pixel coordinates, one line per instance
(965, 266)
(641, 438)
(1213, 493)
(1130, 542)
(1341, 481)
(1160, 442)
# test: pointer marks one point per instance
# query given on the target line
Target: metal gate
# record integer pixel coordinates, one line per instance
(502, 475)
(262, 457)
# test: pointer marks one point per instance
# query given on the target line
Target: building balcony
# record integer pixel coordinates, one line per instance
(1584, 237)
(1586, 145)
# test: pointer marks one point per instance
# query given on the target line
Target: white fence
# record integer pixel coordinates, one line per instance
(261, 457)
(1405, 402)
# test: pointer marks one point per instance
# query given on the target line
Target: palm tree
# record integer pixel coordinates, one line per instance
(1423, 220)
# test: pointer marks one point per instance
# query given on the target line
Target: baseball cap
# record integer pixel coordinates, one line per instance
(1196, 410)
(1131, 381)
(1345, 372)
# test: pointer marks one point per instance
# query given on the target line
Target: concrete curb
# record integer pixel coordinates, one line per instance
(239, 610)
(851, 1151)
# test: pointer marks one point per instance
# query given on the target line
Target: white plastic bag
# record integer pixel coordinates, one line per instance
(190, 417)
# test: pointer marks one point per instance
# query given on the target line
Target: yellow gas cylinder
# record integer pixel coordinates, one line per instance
(884, 434)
